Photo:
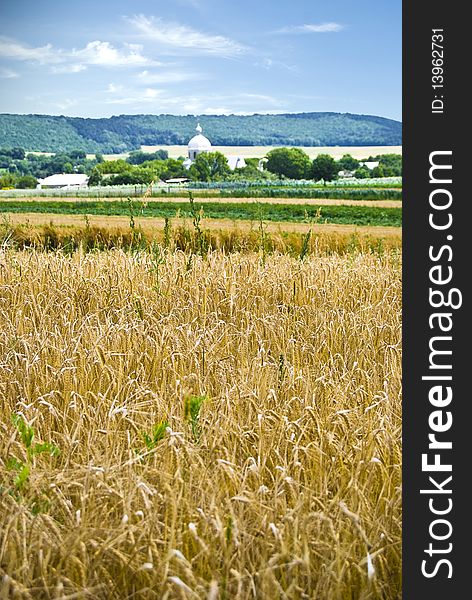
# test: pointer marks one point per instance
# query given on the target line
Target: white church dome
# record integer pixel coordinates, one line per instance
(199, 141)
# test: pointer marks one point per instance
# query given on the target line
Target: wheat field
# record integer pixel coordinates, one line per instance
(359, 152)
(178, 426)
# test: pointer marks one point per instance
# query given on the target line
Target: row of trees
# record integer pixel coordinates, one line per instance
(20, 182)
(290, 163)
(22, 170)
(134, 170)
(294, 163)
(17, 162)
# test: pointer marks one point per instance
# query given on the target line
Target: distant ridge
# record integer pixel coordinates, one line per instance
(44, 133)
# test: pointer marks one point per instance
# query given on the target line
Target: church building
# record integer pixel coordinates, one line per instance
(199, 143)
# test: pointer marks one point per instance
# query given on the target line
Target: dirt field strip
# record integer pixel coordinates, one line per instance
(336, 152)
(182, 200)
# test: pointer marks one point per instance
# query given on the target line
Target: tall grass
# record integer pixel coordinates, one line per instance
(188, 238)
(234, 434)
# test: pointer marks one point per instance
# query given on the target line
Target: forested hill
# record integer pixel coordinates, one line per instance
(128, 132)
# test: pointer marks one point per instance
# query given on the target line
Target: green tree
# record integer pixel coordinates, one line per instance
(17, 153)
(77, 154)
(7, 180)
(348, 163)
(137, 176)
(391, 164)
(138, 156)
(173, 168)
(380, 171)
(325, 168)
(95, 177)
(114, 166)
(26, 182)
(362, 173)
(209, 166)
(289, 162)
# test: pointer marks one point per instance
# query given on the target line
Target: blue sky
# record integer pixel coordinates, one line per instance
(96, 59)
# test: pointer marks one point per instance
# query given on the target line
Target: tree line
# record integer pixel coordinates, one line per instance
(21, 170)
(294, 163)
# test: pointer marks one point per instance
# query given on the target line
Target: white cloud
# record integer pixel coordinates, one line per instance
(72, 68)
(150, 93)
(259, 98)
(114, 89)
(8, 73)
(218, 110)
(66, 104)
(104, 54)
(212, 110)
(181, 37)
(214, 104)
(146, 77)
(122, 95)
(269, 63)
(96, 53)
(12, 49)
(312, 28)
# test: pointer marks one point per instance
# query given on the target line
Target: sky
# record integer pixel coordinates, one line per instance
(89, 58)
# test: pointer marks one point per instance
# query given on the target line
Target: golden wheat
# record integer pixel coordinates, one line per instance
(286, 484)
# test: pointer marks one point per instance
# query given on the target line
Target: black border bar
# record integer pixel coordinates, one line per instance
(437, 250)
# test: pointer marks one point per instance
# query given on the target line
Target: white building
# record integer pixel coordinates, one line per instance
(236, 162)
(64, 181)
(370, 164)
(199, 143)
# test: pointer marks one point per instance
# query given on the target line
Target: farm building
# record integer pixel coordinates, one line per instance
(63, 181)
(177, 180)
(199, 143)
(370, 164)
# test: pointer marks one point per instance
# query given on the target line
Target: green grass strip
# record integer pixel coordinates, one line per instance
(309, 192)
(295, 213)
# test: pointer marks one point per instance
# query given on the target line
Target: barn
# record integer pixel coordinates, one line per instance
(63, 181)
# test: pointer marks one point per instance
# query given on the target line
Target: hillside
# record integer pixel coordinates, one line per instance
(128, 132)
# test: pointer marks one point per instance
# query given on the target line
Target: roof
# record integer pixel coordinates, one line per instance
(236, 162)
(65, 179)
(199, 141)
(177, 180)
